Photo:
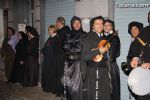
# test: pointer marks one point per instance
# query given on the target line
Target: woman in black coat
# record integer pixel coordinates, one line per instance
(114, 53)
(19, 63)
(31, 74)
(49, 61)
(73, 51)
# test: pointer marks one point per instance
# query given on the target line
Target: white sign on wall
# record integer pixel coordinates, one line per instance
(21, 27)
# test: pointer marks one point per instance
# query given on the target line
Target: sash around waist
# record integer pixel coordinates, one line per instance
(102, 64)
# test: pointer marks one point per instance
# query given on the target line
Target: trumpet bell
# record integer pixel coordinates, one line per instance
(125, 68)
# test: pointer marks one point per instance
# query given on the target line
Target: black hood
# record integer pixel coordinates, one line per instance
(74, 18)
(137, 24)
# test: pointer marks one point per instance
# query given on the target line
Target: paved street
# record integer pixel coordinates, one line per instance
(11, 91)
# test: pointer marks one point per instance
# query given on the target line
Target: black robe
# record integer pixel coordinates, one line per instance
(145, 56)
(143, 52)
(18, 68)
(62, 37)
(49, 66)
(87, 55)
(134, 50)
(73, 52)
(31, 74)
(114, 52)
(8, 55)
(146, 50)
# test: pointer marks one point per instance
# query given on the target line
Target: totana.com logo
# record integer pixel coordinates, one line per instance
(132, 5)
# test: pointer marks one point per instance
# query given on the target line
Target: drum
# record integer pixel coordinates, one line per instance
(139, 81)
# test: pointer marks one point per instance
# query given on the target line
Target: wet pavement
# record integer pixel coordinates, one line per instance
(13, 91)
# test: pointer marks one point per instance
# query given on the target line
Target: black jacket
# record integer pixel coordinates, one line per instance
(114, 46)
(74, 44)
(87, 55)
(91, 42)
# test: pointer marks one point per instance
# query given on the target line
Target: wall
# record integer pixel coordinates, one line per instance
(56, 8)
(20, 13)
(9, 6)
(87, 9)
(36, 15)
(1, 27)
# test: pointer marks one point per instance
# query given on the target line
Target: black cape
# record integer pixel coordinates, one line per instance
(31, 74)
(73, 51)
(114, 52)
(18, 68)
(49, 65)
(62, 37)
(143, 52)
(87, 55)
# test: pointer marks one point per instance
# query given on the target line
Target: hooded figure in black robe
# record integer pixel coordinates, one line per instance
(73, 48)
(126, 68)
(19, 63)
(134, 49)
(140, 51)
(88, 54)
(114, 52)
(145, 55)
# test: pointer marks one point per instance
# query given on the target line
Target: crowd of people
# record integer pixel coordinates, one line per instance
(20, 56)
(76, 65)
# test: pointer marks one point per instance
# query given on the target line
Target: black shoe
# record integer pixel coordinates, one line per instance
(8, 81)
(54, 92)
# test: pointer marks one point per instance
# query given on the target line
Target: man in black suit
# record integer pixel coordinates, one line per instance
(89, 54)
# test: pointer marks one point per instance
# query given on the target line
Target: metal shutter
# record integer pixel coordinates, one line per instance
(123, 16)
(56, 8)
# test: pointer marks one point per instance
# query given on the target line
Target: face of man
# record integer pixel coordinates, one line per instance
(135, 31)
(76, 25)
(98, 25)
(58, 24)
(108, 27)
(10, 33)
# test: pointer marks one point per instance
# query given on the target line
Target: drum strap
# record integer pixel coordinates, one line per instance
(141, 41)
